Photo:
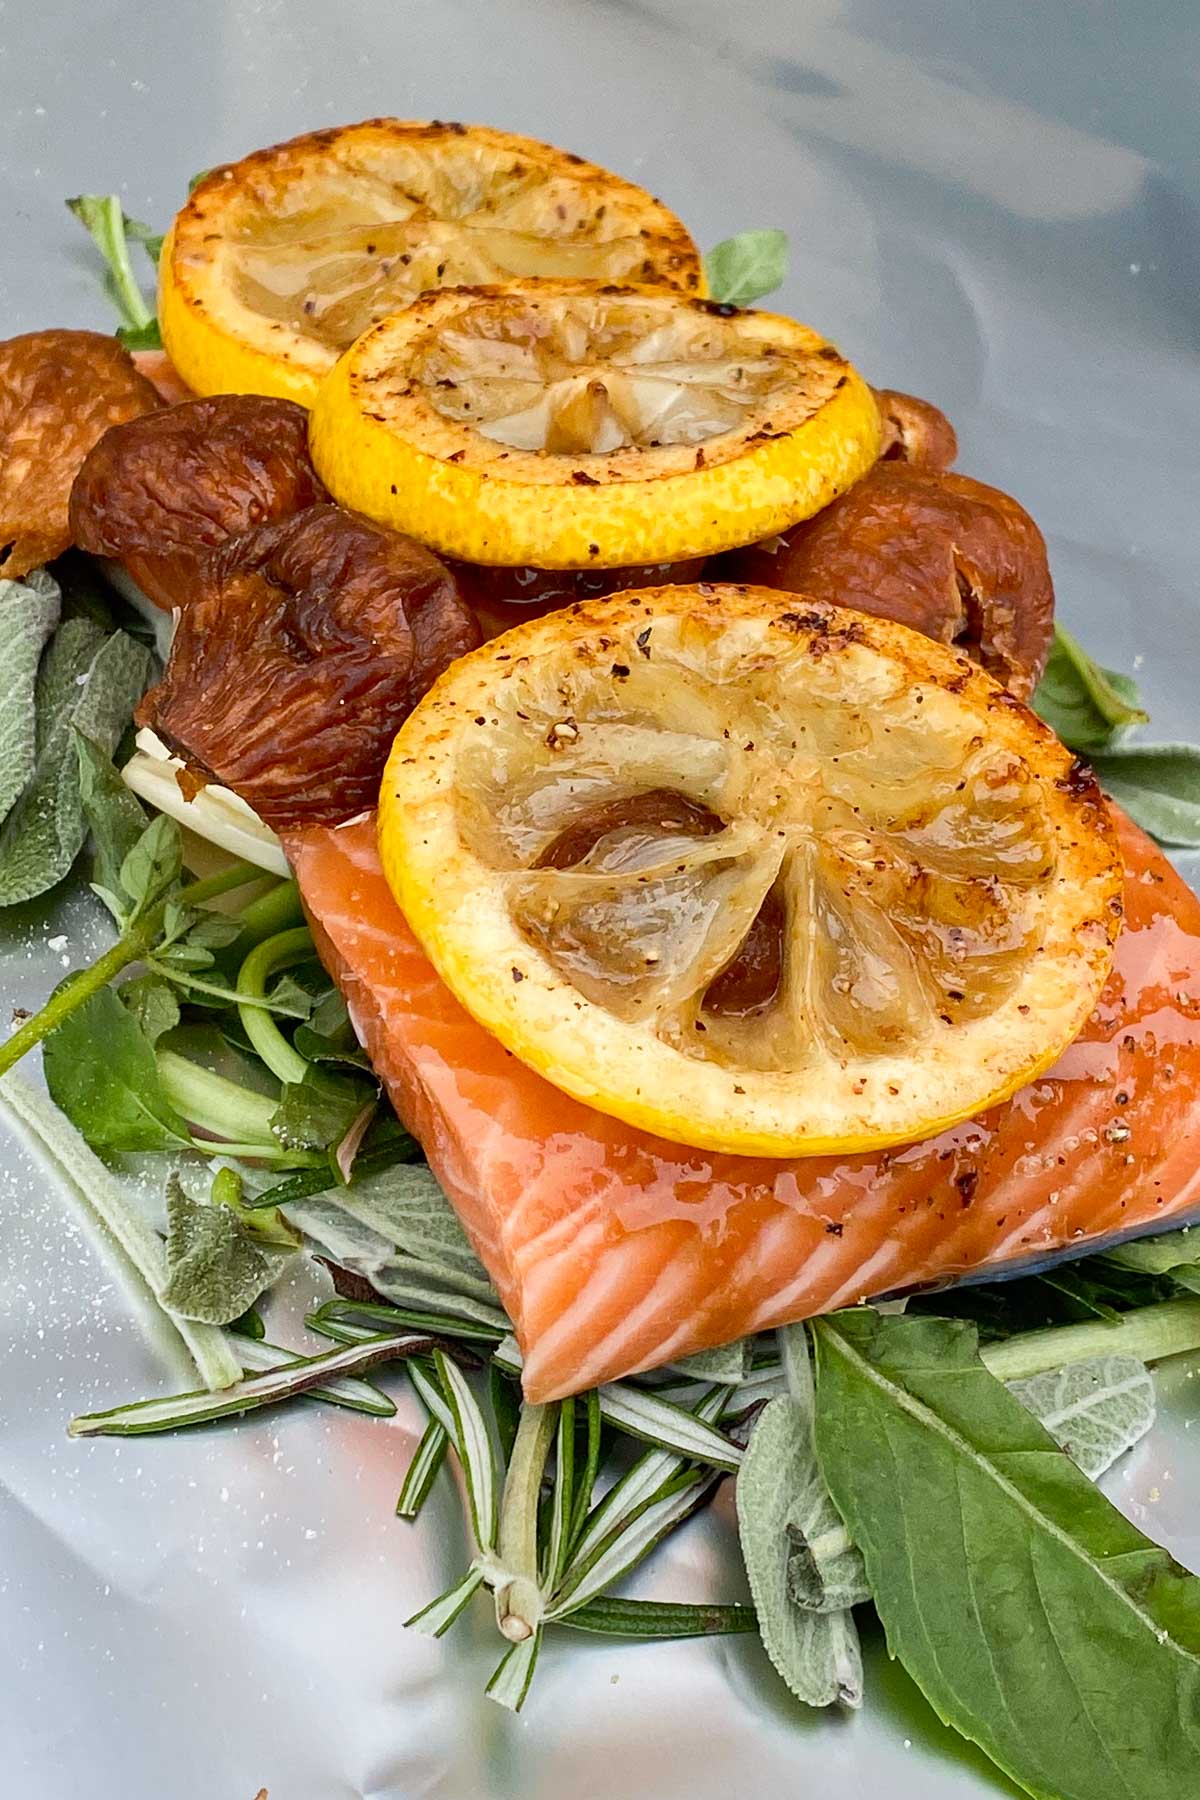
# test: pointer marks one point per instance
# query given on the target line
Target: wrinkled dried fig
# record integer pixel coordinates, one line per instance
(59, 391)
(293, 665)
(915, 431)
(161, 492)
(959, 561)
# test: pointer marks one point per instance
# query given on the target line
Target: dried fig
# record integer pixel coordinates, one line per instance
(501, 597)
(161, 492)
(59, 391)
(959, 561)
(915, 431)
(305, 646)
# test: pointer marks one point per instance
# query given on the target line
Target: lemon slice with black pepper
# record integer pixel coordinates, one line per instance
(752, 873)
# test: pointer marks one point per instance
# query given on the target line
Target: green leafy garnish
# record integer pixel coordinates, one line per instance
(88, 682)
(215, 1270)
(1083, 704)
(742, 269)
(1015, 1595)
(1159, 787)
(114, 814)
(1096, 1410)
(101, 1071)
(103, 218)
(29, 612)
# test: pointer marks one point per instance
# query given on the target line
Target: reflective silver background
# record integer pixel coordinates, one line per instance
(994, 206)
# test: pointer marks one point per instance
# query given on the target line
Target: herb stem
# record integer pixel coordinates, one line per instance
(102, 215)
(519, 1605)
(1149, 1333)
(214, 1104)
(275, 952)
(132, 946)
(277, 910)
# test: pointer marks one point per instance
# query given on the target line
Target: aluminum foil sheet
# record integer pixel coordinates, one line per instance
(996, 207)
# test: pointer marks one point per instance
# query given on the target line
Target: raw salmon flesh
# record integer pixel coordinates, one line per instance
(615, 1251)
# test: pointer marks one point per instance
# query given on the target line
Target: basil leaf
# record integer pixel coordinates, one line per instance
(742, 269)
(29, 612)
(112, 810)
(1159, 787)
(1036, 1619)
(87, 683)
(214, 1269)
(101, 1071)
(1083, 704)
(779, 1484)
(1097, 1410)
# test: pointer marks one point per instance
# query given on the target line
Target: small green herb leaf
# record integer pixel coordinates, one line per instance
(423, 1470)
(29, 612)
(1084, 704)
(1159, 787)
(318, 1111)
(152, 866)
(784, 1513)
(153, 1005)
(102, 1073)
(214, 1268)
(1016, 1596)
(745, 268)
(1097, 1410)
(660, 1619)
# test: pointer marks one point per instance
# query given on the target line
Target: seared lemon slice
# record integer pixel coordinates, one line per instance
(571, 427)
(751, 872)
(278, 262)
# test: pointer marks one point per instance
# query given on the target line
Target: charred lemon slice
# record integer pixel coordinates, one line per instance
(278, 262)
(751, 872)
(571, 427)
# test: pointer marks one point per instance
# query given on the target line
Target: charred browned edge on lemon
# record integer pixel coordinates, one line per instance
(421, 852)
(291, 367)
(474, 498)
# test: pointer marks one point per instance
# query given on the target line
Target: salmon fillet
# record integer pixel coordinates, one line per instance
(615, 1251)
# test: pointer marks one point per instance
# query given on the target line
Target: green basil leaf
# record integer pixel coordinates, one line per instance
(1036, 1619)
(745, 268)
(1159, 787)
(89, 683)
(29, 612)
(101, 1071)
(1097, 1410)
(1085, 705)
(214, 1268)
(782, 1503)
(113, 811)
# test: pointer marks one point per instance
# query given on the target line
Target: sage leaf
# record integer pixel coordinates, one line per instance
(90, 683)
(729, 1365)
(742, 269)
(814, 1648)
(1159, 787)
(1097, 1410)
(1035, 1618)
(101, 1071)
(29, 612)
(215, 1270)
(1086, 706)
(405, 1204)
(113, 813)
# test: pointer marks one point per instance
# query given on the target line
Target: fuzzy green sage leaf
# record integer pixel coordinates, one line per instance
(29, 612)
(215, 1270)
(1083, 704)
(742, 269)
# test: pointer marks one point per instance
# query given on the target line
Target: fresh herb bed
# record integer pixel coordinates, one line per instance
(916, 1463)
